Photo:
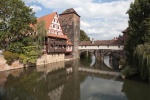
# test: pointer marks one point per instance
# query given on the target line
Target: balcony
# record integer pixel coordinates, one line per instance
(52, 50)
(60, 50)
(58, 42)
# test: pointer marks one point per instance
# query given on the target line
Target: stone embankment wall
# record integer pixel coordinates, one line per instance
(4, 66)
(45, 59)
(50, 58)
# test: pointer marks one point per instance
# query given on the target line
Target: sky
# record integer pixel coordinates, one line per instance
(100, 19)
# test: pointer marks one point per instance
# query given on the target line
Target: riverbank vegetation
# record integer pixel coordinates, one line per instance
(17, 38)
(138, 44)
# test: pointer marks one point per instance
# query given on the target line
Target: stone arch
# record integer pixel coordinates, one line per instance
(81, 51)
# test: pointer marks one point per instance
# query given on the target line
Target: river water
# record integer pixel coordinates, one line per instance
(63, 81)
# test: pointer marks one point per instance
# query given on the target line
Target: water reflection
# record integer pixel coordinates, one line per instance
(89, 61)
(93, 60)
(136, 90)
(65, 82)
(101, 89)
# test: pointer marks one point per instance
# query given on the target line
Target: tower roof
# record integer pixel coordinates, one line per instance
(68, 11)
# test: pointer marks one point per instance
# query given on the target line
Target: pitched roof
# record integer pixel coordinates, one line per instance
(126, 30)
(58, 36)
(48, 19)
(68, 11)
(100, 42)
(69, 43)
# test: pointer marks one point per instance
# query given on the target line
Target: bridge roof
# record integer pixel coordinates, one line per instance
(126, 30)
(101, 42)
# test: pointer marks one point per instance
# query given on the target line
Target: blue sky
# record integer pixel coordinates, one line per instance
(100, 19)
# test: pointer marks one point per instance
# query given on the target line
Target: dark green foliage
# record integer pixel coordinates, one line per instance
(15, 20)
(15, 31)
(139, 27)
(10, 57)
(139, 34)
(15, 47)
(142, 55)
(41, 33)
(128, 72)
(30, 55)
(83, 36)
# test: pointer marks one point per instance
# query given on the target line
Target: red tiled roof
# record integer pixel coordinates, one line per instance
(100, 42)
(48, 19)
(69, 43)
(57, 36)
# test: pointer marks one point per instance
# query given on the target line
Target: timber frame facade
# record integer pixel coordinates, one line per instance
(55, 41)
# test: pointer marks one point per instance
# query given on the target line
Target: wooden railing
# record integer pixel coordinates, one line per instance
(57, 42)
(52, 50)
(60, 50)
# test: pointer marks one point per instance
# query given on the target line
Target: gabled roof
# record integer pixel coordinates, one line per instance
(48, 19)
(68, 11)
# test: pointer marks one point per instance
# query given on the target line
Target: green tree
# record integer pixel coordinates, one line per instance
(139, 27)
(41, 33)
(139, 34)
(142, 55)
(83, 36)
(15, 19)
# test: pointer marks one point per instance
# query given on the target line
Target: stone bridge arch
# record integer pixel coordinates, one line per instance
(81, 51)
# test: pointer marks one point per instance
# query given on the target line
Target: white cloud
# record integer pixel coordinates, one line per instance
(100, 20)
(36, 8)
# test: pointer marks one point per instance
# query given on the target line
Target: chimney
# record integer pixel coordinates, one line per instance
(92, 40)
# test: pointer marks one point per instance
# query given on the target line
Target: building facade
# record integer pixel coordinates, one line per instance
(55, 42)
(70, 23)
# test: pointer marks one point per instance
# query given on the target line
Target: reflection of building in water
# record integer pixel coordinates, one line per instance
(56, 94)
(42, 84)
(51, 67)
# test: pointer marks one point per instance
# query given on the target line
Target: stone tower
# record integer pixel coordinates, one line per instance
(70, 23)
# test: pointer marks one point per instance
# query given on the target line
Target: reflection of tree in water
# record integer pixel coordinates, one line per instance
(135, 90)
(57, 85)
(25, 87)
(85, 59)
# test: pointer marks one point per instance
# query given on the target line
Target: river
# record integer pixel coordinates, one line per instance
(63, 81)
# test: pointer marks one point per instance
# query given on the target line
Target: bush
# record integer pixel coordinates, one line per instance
(127, 71)
(23, 58)
(7, 55)
(10, 57)
(15, 56)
